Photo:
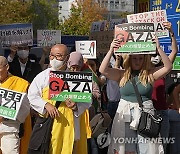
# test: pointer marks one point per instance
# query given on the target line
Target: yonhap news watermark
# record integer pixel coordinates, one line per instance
(159, 140)
(105, 139)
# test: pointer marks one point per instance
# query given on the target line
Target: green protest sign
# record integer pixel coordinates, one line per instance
(74, 85)
(10, 103)
(135, 38)
(176, 64)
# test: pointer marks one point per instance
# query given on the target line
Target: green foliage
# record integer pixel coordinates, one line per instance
(82, 15)
(41, 13)
(46, 14)
(15, 11)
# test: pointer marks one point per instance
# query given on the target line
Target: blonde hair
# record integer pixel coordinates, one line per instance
(144, 76)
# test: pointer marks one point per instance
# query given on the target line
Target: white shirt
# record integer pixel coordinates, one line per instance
(37, 103)
(23, 66)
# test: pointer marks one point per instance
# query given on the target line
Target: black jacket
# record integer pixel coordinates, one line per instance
(31, 69)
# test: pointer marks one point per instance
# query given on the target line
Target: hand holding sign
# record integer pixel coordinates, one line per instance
(70, 104)
(167, 25)
(52, 110)
(13, 49)
(115, 44)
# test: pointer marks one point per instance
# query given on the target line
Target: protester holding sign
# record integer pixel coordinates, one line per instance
(64, 130)
(138, 67)
(9, 129)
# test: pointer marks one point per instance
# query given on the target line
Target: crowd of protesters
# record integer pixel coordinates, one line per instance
(112, 91)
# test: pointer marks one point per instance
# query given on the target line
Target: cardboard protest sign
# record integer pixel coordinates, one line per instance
(176, 64)
(10, 103)
(48, 37)
(135, 38)
(156, 17)
(103, 40)
(74, 85)
(16, 34)
(87, 49)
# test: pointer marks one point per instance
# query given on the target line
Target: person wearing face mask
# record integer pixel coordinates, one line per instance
(21, 65)
(70, 126)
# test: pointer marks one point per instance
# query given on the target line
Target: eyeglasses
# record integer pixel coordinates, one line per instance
(58, 57)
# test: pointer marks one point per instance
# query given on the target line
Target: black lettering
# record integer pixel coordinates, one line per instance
(2, 93)
(140, 35)
(159, 27)
(65, 87)
(77, 84)
(88, 88)
(7, 102)
(149, 36)
(54, 87)
(130, 37)
(13, 106)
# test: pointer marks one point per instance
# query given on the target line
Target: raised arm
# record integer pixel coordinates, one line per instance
(110, 73)
(162, 71)
(46, 51)
(174, 47)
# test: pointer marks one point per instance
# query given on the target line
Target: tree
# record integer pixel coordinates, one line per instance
(46, 14)
(15, 11)
(43, 14)
(83, 13)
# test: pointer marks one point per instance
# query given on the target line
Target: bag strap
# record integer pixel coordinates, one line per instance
(137, 92)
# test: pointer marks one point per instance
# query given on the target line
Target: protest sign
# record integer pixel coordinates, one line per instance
(103, 40)
(114, 22)
(98, 26)
(10, 103)
(48, 37)
(87, 49)
(156, 17)
(74, 85)
(135, 38)
(16, 34)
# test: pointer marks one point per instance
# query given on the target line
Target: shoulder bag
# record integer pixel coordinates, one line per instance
(149, 124)
(41, 135)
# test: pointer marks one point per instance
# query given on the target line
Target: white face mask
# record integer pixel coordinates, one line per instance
(156, 60)
(23, 54)
(56, 64)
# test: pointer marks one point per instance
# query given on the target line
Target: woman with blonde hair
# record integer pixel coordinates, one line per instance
(124, 137)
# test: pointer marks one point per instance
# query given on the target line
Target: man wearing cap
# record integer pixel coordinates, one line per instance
(9, 129)
(21, 65)
(64, 130)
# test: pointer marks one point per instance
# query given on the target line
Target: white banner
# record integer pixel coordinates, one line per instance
(87, 49)
(11, 106)
(156, 17)
(16, 34)
(48, 37)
